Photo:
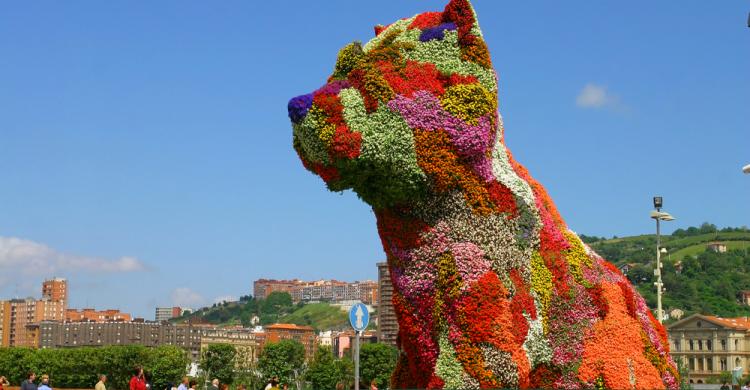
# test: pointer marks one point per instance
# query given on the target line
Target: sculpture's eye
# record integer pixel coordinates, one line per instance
(348, 57)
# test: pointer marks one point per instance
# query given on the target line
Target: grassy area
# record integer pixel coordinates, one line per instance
(641, 248)
(694, 250)
(320, 316)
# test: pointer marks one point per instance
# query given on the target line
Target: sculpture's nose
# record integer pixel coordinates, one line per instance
(298, 107)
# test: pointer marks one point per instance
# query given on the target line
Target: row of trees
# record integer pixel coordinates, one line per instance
(286, 360)
(80, 367)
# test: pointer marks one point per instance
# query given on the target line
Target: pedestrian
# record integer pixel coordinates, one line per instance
(100, 385)
(29, 384)
(373, 385)
(725, 386)
(224, 386)
(193, 384)
(45, 383)
(184, 384)
(138, 381)
(214, 384)
(747, 386)
(3, 382)
(340, 386)
(240, 387)
(273, 384)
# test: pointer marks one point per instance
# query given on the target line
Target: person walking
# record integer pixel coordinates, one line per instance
(3, 382)
(100, 385)
(138, 381)
(193, 384)
(185, 384)
(29, 384)
(373, 385)
(45, 383)
(214, 384)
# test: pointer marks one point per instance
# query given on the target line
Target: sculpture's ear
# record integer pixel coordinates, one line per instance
(470, 38)
(462, 14)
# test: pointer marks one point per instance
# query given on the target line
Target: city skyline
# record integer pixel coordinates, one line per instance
(151, 163)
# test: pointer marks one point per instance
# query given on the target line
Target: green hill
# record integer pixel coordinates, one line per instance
(695, 279)
(277, 307)
(320, 316)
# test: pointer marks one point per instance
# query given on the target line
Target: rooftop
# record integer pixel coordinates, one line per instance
(736, 323)
(289, 327)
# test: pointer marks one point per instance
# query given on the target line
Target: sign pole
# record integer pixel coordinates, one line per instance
(359, 317)
(356, 360)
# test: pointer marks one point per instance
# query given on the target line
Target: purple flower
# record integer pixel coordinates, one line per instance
(298, 107)
(424, 111)
(438, 32)
(333, 88)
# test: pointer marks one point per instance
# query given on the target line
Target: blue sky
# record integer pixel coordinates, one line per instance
(146, 153)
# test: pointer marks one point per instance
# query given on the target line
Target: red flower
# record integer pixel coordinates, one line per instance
(426, 20)
(346, 143)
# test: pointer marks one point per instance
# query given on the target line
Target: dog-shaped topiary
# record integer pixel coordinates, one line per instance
(491, 289)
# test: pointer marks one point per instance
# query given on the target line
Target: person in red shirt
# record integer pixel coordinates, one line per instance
(138, 381)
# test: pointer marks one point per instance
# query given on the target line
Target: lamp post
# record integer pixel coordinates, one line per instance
(659, 216)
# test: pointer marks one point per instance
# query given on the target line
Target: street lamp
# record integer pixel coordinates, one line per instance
(746, 169)
(659, 216)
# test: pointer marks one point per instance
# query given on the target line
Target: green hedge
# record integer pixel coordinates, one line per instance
(80, 367)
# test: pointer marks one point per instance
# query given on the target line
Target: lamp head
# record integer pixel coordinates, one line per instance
(657, 202)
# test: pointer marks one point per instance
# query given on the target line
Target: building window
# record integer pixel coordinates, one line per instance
(723, 364)
(691, 344)
(709, 346)
(710, 364)
(723, 345)
(700, 345)
(736, 344)
(691, 363)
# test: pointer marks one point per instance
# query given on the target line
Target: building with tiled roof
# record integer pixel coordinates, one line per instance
(709, 345)
(303, 334)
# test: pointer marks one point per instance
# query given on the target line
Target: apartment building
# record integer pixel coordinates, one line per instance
(321, 290)
(52, 334)
(92, 315)
(167, 313)
(303, 334)
(21, 316)
(387, 322)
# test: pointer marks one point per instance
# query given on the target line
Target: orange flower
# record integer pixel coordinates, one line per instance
(618, 331)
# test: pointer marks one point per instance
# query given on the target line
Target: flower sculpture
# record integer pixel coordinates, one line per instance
(491, 289)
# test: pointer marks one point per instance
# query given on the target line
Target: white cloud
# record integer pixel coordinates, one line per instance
(185, 297)
(597, 96)
(226, 298)
(29, 258)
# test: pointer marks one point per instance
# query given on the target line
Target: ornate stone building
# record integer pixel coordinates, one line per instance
(708, 345)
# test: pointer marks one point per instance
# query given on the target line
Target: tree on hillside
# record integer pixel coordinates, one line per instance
(325, 371)
(274, 306)
(282, 359)
(218, 362)
(377, 361)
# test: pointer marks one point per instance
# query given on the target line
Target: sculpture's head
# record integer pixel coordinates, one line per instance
(411, 112)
